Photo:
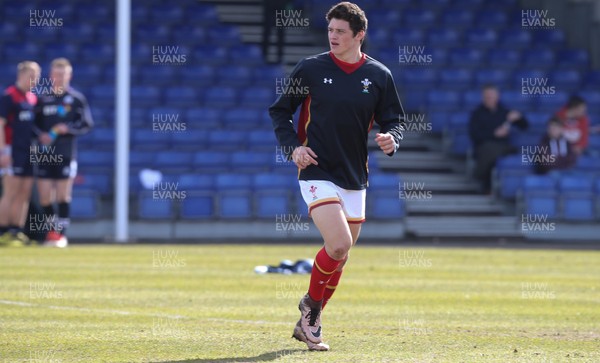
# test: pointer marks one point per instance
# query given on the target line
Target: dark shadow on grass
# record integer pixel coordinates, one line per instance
(265, 357)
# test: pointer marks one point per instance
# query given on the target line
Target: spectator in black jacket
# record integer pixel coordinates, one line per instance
(489, 128)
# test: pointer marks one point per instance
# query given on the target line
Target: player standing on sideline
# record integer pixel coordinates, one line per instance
(347, 91)
(61, 116)
(16, 123)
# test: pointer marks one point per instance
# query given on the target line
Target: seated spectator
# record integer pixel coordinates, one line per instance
(489, 130)
(574, 117)
(555, 151)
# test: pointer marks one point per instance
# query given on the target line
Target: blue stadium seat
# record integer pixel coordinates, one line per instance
(85, 32)
(96, 159)
(221, 97)
(515, 38)
(211, 161)
(193, 75)
(182, 97)
(262, 140)
(101, 12)
(85, 204)
(520, 75)
(105, 33)
(145, 139)
(167, 14)
(241, 118)
(460, 142)
(224, 34)
(211, 54)
(573, 58)
(141, 159)
(408, 36)
(234, 205)
(251, 161)
(418, 18)
(538, 57)
(189, 140)
(259, 97)
(384, 182)
(300, 206)
(471, 99)
(565, 79)
(466, 57)
(438, 120)
(227, 140)
(504, 57)
(233, 181)
(197, 205)
(575, 183)
(443, 37)
(498, 77)
(158, 75)
(457, 17)
(456, 78)
(57, 50)
(385, 205)
(550, 38)
(541, 204)
(481, 37)
(99, 182)
(234, 75)
(151, 206)
(490, 18)
(266, 75)
(443, 100)
(103, 95)
(203, 117)
(204, 14)
(586, 163)
(578, 206)
(16, 52)
(247, 54)
(87, 73)
(269, 181)
(425, 78)
(145, 96)
(379, 35)
(271, 203)
(384, 16)
(104, 138)
(170, 160)
(510, 181)
(551, 102)
(151, 33)
(190, 34)
(97, 53)
(196, 182)
(516, 100)
(539, 183)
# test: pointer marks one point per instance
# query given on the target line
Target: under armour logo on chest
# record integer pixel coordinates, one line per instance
(328, 80)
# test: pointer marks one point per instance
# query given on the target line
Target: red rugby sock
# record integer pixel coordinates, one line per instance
(323, 269)
(331, 286)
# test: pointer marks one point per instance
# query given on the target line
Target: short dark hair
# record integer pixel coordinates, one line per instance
(487, 86)
(351, 13)
(575, 101)
(555, 121)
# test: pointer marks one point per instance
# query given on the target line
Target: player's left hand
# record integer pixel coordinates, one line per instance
(385, 142)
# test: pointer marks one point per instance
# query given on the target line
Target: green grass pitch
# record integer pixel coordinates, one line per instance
(165, 303)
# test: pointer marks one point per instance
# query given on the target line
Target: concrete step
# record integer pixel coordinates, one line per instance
(419, 203)
(441, 183)
(430, 162)
(459, 226)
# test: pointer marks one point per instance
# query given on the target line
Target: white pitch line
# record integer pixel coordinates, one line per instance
(122, 312)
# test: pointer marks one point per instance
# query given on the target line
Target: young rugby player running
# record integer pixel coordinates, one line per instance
(347, 92)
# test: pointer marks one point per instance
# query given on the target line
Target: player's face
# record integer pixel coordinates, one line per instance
(60, 76)
(490, 97)
(29, 77)
(341, 38)
(555, 131)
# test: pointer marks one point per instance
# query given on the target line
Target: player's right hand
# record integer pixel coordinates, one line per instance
(304, 156)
